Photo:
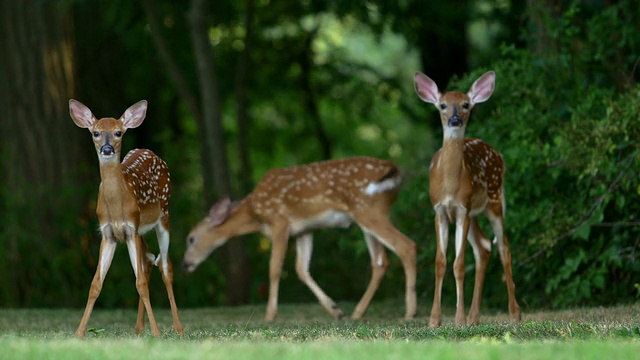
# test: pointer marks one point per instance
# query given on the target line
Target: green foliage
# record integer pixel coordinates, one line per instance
(564, 116)
(568, 132)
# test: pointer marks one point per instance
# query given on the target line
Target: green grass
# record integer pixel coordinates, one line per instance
(307, 332)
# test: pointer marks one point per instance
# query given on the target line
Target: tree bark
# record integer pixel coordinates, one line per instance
(41, 148)
(236, 264)
(208, 114)
(246, 170)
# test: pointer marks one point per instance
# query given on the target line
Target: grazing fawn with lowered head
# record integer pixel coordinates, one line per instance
(133, 199)
(466, 179)
(297, 200)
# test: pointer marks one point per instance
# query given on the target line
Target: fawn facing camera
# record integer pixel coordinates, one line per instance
(465, 179)
(133, 199)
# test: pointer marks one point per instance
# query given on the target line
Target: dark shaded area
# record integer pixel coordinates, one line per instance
(238, 87)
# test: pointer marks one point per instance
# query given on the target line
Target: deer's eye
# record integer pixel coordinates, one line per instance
(96, 134)
(118, 133)
(465, 106)
(443, 106)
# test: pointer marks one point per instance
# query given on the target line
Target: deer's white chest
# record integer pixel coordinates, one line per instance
(452, 209)
(448, 208)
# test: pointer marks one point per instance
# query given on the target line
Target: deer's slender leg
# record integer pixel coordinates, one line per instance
(304, 248)
(496, 220)
(166, 269)
(462, 229)
(107, 250)
(147, 267)
(379, 265)
(481, 251)
(377, 223)
(138, 257)
(442, 234)
(279, 240)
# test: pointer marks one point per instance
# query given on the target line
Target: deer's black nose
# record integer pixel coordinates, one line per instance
(107, 150)
(186, 267)
(455, 121)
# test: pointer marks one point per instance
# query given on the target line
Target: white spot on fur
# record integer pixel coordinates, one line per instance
(385, 185)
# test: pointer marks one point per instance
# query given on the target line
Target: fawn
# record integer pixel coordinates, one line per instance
(133, 199)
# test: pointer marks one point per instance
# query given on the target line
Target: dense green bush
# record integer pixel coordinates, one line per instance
(569, 134)
(564, 116)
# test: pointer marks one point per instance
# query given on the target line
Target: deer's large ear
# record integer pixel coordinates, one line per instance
(134, 115)
(80, 114)
(426, 88)
(482, 88)
(220, 211)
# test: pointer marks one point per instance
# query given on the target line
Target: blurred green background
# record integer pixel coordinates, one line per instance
(238, 87)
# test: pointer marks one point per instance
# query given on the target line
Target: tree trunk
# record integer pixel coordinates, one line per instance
(236, 264)
(208, 115)
(246, 170)
(40, 147)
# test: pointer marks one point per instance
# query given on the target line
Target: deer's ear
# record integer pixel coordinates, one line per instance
(426, 88)
(220, 211)
(80, 114)
(233, 205)
(134, 115)
(482, 88)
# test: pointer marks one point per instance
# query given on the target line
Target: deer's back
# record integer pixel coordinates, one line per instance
(308, 190)
(486, 167)
(148, 176)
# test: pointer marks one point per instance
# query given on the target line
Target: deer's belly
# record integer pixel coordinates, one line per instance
(327, 219)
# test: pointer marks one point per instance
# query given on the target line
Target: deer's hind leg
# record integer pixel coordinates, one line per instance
(497, 223)
(138, 257)
(166, 269)
(304, 247)
(378, 224)
(147, 264)
(481, 252)
(379, 265)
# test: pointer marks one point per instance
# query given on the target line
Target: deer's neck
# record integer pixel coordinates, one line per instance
(451, 162)
(116, 203)
(112, 179)
(242, 221)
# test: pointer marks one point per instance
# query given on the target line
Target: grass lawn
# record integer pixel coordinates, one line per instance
(306, 332)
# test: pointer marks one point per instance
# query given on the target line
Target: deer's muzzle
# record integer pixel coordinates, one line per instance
(107, 150)
(455, 121)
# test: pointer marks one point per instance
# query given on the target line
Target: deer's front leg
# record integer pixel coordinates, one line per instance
(279, 239)
(462, 229)
(379, 265)
(442, 234)
(107, 249)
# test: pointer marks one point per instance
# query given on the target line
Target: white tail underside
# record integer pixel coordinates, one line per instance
(382, 186)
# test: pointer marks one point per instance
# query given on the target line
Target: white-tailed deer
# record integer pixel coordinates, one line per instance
(297, 200)
(466, 179)
(133, 199)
